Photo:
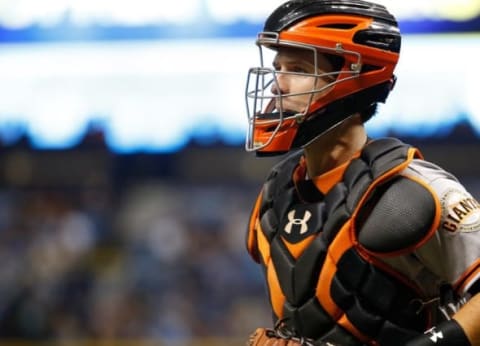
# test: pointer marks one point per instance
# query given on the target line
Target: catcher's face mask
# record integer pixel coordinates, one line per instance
(292, 82)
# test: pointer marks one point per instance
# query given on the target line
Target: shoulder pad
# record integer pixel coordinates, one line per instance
(398, 215)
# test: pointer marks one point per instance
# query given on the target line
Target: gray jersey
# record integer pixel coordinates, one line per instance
(452, 255)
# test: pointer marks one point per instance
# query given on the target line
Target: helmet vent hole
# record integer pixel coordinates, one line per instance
(340, 26)
(368, 68)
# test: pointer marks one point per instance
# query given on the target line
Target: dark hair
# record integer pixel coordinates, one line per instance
(337, 63)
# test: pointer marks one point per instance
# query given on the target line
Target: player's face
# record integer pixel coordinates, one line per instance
(294, 69)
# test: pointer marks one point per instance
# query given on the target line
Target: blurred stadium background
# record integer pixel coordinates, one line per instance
(124, 186)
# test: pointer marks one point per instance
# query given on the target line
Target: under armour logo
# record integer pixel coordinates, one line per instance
(434, 335)
(301, 222)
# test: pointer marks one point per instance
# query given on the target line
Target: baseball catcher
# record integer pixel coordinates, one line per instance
(362, 241)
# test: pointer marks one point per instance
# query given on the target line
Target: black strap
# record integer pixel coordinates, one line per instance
(447, 333)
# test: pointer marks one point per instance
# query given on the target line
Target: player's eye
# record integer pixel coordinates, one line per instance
(298, 69)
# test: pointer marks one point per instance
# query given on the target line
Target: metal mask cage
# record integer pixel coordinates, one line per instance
(265, 108)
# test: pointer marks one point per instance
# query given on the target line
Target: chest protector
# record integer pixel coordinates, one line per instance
(322, 254)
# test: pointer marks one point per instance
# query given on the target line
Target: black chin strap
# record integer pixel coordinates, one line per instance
(328, 117)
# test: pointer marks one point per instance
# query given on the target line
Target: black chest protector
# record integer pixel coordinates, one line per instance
(322, 253)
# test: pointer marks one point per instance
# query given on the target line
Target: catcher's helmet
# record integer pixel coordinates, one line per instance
(363, 36)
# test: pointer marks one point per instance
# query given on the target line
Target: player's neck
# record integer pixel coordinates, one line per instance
(335, 147)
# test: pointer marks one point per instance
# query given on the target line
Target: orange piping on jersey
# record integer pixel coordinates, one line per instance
(471, 273)
(252, 226)
(277, 298)
(297, 249)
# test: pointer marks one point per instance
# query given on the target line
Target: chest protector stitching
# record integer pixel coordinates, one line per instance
(322, 266)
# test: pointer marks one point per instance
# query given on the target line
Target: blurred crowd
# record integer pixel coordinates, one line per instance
(92, 249)
(158, 259)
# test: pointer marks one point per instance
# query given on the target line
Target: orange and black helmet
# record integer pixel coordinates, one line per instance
(363, 36)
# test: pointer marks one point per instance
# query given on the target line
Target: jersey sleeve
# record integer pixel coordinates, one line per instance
(453, 253)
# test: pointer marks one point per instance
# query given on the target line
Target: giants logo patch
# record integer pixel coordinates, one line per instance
(460, 212)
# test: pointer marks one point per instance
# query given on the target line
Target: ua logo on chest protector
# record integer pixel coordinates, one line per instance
(299, 223)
